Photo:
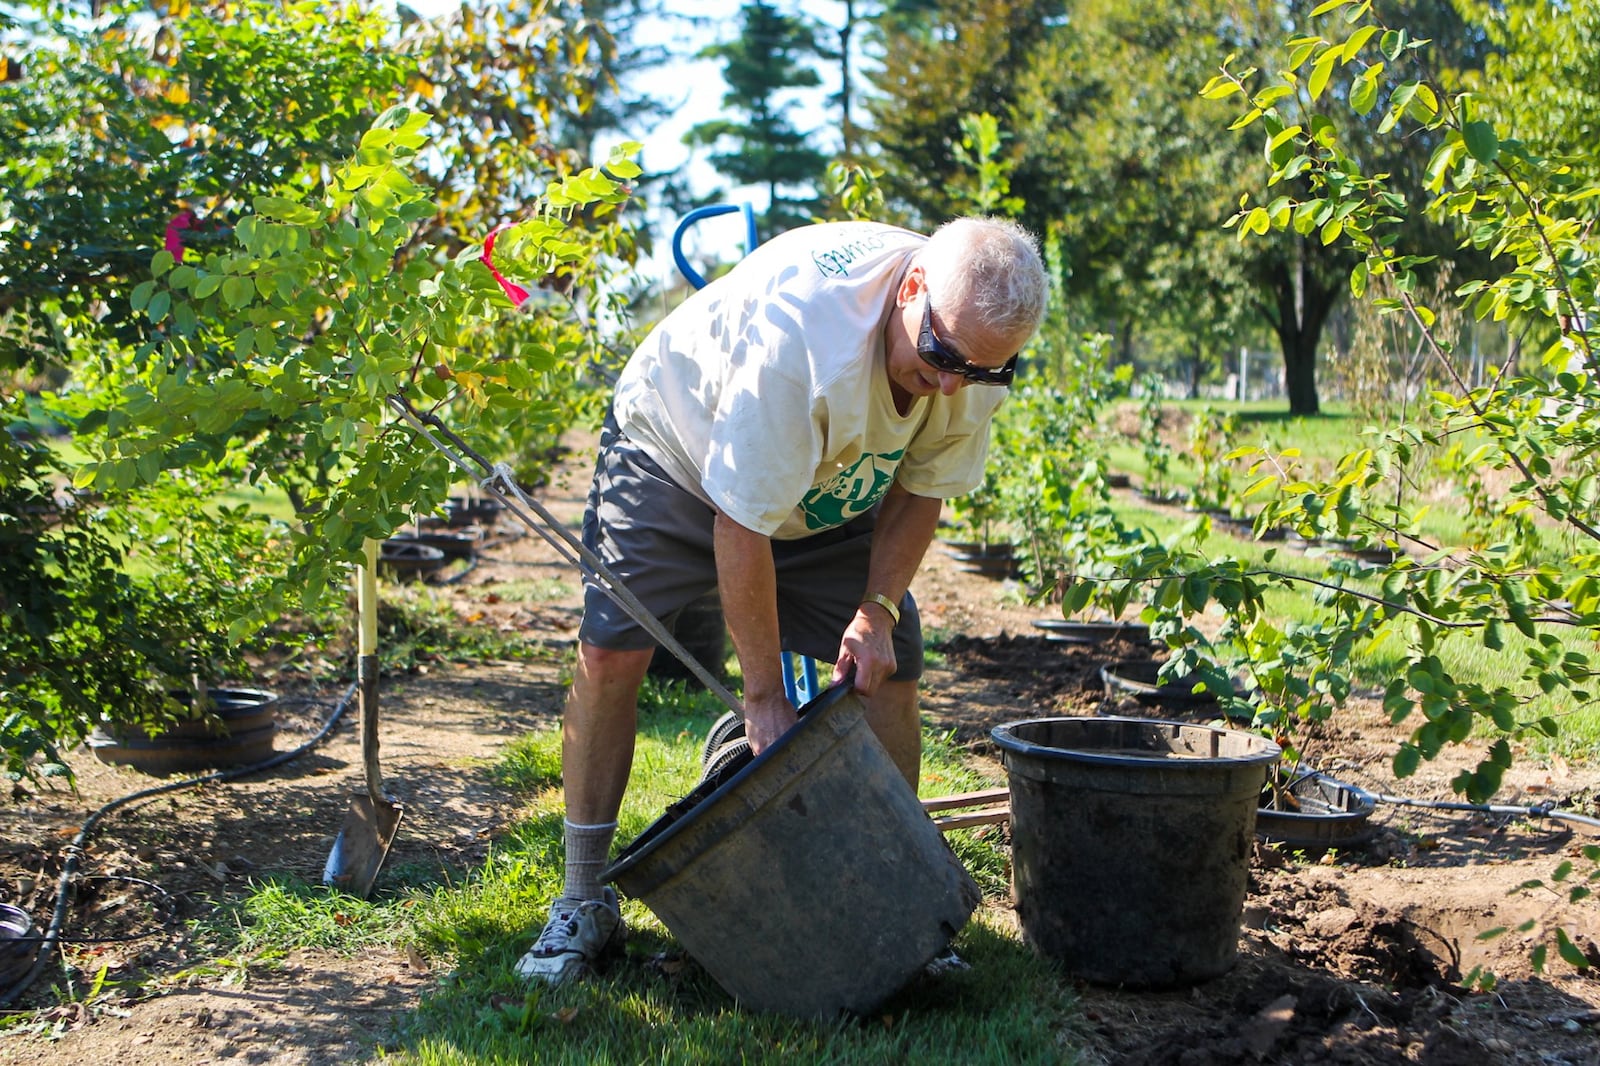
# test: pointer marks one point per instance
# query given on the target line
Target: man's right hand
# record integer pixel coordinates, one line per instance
(765, 720)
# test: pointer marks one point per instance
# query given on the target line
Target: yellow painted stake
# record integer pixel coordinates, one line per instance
(367, 600)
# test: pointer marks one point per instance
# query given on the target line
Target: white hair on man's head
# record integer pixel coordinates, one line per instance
(991, 268)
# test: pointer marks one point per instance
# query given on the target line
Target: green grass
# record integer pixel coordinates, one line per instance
(1011, 1007)
(542, 590)
(1322, 441)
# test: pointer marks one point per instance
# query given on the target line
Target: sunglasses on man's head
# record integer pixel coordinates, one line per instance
(943, 358)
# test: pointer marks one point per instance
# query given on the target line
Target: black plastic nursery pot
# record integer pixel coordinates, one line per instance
(242, 732)
(807, 881)
(1072, 631)
(462, 511)
(452, 543)
(1140, 680)
(405, 559)
(995, 560)
(1130, 843)
(19, 946)
(1314, 812)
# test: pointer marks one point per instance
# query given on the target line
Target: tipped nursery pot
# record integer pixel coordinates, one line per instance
(239, 731)
(1130, 843)
(1314, 812)
(810, 883)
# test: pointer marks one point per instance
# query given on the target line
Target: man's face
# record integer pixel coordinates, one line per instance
(931, 349)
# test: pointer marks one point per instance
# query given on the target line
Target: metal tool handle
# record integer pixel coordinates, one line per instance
(502, 484)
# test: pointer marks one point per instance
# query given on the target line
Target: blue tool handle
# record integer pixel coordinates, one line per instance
(709, 211)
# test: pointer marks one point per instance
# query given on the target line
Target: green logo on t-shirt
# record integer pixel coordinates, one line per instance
(850, 492)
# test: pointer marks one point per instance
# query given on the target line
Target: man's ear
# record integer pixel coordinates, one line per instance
(910, 285)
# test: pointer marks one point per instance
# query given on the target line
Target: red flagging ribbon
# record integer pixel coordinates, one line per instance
(180, 222)
(514, 292)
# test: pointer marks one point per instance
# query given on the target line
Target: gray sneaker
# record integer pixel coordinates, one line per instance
(577, 936)
(946, 962)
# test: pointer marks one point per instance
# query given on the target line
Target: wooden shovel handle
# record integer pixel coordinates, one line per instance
(968, 819)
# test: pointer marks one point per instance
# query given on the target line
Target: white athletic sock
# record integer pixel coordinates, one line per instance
(588, 847)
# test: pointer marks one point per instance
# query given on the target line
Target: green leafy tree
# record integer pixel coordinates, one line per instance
(124, 122)
(330, 271)
(1143, 178)
(938, 64)
(137, 125)
(759, 145)
(1543, 76)
(1113, 150)
(291, 347)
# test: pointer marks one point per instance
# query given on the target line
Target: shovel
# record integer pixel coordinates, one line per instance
(369, 827)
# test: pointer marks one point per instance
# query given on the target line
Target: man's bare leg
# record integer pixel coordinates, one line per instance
(892, 712)
(597, 731)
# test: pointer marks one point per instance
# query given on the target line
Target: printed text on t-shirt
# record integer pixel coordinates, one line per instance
(835, 262)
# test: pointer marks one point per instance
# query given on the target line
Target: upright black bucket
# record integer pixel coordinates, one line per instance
(810, 883)
(1131, 842)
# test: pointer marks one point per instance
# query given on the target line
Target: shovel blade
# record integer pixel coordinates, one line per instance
(362, 845)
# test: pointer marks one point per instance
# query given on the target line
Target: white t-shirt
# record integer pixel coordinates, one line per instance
(766, 392)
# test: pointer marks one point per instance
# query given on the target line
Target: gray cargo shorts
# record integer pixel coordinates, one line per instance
(657, 538)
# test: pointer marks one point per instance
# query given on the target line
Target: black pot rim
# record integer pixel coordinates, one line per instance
(1005, 737)
(1116, 676)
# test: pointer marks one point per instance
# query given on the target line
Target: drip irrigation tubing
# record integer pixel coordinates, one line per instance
(75, 850)
(1537, 810)
(1548, 809)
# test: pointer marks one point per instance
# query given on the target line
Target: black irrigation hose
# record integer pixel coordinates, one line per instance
(1538, 810)
(75, 850)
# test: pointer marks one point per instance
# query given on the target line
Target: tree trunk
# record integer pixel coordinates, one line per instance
(847, 130)
(1300, 374)
(1303, 306)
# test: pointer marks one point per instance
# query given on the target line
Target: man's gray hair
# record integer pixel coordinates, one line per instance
(992, 269)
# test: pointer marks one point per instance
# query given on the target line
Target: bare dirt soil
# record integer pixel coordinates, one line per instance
(1353, 957)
